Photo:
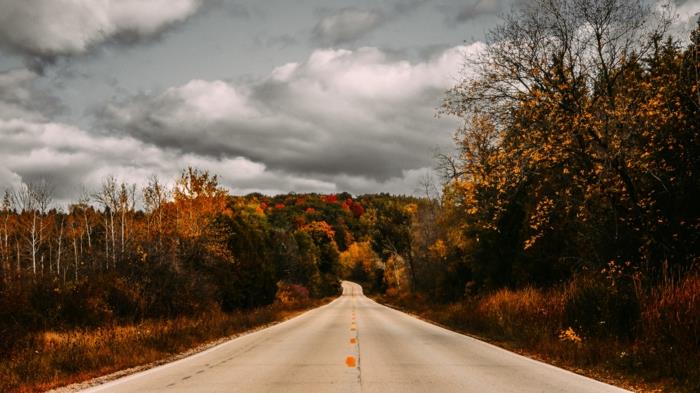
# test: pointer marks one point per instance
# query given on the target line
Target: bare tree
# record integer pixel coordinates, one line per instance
(118, 199)
(126, 205)
(109, 199)
(567, 46)
(84, 204)
(59, 244)
(155, 195)
(33, 200)
(6, 209)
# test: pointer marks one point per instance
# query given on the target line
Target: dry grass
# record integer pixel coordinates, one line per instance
(56, 358)
(660, 351)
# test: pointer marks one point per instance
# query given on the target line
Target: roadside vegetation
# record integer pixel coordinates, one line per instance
(569, 222)
(54, 358)
(583, 326)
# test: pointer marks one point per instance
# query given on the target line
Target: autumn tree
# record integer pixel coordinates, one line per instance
(323, 237)
(571, 154)
(361, 264)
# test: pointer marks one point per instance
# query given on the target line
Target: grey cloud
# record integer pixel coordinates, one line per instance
(342, 120)
(44, 30)
(479, 8)
(71, 159)
(277, 42)
(21, 98)
(346, 25)
(355, 113)
(405, 6)
(474, 9)
(237, 10)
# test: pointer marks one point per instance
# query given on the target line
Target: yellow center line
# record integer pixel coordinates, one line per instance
(350, 361)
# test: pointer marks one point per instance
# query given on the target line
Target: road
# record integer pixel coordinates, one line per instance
(355, 345)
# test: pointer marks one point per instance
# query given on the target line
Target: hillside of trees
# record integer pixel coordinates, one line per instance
(191, 248)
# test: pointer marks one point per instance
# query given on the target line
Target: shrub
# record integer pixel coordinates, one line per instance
(672, 314)
(291, 293)
(528, 314)
(597, 309)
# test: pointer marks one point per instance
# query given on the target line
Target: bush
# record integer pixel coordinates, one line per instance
(291, 293)
(528, 314)
(670, 336)
(672, 314)
(599, 310)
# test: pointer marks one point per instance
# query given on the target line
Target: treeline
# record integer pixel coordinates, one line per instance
(580, 150)
(122, 255)
(570, 165)
(127, 276)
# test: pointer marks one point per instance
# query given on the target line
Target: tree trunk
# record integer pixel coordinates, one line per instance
(33, 243)
(75, 254)
(106, 244)
(60, 241)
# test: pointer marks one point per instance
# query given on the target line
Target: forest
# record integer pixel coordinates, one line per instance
(169, 266)
(566, 224)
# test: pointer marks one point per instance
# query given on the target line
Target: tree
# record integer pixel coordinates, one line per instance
(6, 214)
(33, 201)
(571, 153)
(360, 263)
(197, 198)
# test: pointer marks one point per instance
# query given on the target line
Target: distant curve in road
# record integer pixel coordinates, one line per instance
(354, 344)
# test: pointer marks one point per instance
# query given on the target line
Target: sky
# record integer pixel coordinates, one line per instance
(274, 96)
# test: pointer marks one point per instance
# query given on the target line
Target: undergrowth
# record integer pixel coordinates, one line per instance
(644, 341)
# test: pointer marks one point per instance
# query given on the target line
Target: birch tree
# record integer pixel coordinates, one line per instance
(33, 201)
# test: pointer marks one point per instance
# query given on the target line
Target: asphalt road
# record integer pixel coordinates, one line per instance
(355, 345)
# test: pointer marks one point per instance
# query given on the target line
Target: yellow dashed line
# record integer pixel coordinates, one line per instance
(350, 361)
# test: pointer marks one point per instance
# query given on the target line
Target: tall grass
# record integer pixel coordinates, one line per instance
(650, 338)
(55, 358)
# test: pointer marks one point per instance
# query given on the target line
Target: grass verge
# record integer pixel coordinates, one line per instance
(656, 350)
(51, 359)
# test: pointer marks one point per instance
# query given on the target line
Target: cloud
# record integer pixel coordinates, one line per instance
(71, 159)
(410, 182)
(42, 30)
(477, 9)
(470, 11)
(406, 6)
(356, 113)
(341, 120)
(276, 42)
(687, 12)
(20, 98)
(346, 25)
